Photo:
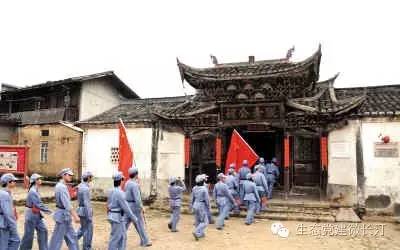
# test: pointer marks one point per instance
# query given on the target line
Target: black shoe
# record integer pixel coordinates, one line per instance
(195, 236)
(149, 244)
(247, 223)
(169, 226)
(219, 228)
(174, 231)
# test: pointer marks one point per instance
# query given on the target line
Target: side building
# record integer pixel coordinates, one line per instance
(42, 117)
(157, 144)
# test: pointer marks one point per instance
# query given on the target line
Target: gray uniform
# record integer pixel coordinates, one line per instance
(200, 202)
(175, 200)
(9, 239)
(233, 185)
(134, 199)
(262, 187)
(272, 176)
(34, 221)
(251, 198)
(118, 211)
(224, 200)
(85, 213)
(243, 171)
(62, 216)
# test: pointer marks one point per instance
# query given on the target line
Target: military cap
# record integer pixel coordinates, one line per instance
(6, 178)
(245, 162)
(34, 177)
(65, 171)
(274, 160)
(232, 165)
(221, 176)
(261, 160)
(200, 178)
(172, 180)
(132, 170)
(118, 176)
(231, 170)
(87, 174)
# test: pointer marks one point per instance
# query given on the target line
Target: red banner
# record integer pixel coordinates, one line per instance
(218, 152)
(286, 152)
(187, 151)
(125, 151)
(324, 152)
(238, 151)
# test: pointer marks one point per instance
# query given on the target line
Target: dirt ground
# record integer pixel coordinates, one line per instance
(236, 235)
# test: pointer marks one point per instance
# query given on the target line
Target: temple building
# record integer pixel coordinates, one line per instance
(339, 143)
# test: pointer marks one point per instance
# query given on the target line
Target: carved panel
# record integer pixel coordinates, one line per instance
(250, 112)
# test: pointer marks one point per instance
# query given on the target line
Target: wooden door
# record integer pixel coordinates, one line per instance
(306, 161)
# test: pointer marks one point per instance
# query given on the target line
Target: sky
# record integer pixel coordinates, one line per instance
(140, 40)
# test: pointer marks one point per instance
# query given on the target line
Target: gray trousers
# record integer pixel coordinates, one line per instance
(63, 231)
(139, 226)
(259, 205)
(86, 231)
(175, 216)
(117, 236)
(251, 209)
(223, 213)
(29, 230)
(9, 239)
(201, 221)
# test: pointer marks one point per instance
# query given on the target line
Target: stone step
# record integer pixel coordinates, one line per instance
(267, 215)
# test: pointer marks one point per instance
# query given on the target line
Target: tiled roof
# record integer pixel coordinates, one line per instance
(118, 83)
(137, 110)
(258, 69)
(359, 102)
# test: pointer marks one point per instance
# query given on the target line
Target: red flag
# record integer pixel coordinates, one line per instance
(125, 151)
(238, 151)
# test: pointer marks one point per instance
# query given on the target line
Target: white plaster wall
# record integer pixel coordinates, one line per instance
(170, 159)
(96, 97)
(97, 151)
(342, 167)
(382, 174)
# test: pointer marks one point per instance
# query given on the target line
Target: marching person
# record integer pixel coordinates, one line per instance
(33, 216)
(209, 215)
(261, 165)
(134, 199)
(85, 211)
(9, 239)
(262, 187)
(62, 216)
(243, 171)
(117, 210)
(233, 186)
(175, 189)
(200, 202)
(251, 198)
(272, 175)
(224, 200)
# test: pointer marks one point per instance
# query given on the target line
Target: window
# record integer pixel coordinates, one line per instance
(45, 132)
(114, 155)
(44, 147)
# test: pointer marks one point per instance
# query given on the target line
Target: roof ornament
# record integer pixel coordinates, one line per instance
(289, 53)
(214, 59)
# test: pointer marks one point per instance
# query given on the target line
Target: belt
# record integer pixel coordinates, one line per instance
(176, 199)
(269, 172)
(28, 206)
(131, 201)
(60, 207)
(117, 212)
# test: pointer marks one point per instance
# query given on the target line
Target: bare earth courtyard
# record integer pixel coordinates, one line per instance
(236, 235)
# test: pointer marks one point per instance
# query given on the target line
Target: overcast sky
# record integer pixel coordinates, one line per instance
(52, 40)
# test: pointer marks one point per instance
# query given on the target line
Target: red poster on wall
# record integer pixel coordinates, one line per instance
(13, 159)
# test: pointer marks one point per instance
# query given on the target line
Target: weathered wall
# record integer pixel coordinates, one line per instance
(382, 174)
(96, 97)
(97, 154)
(342, 167)
(64, 148)
(6, 134)
(170, 159)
